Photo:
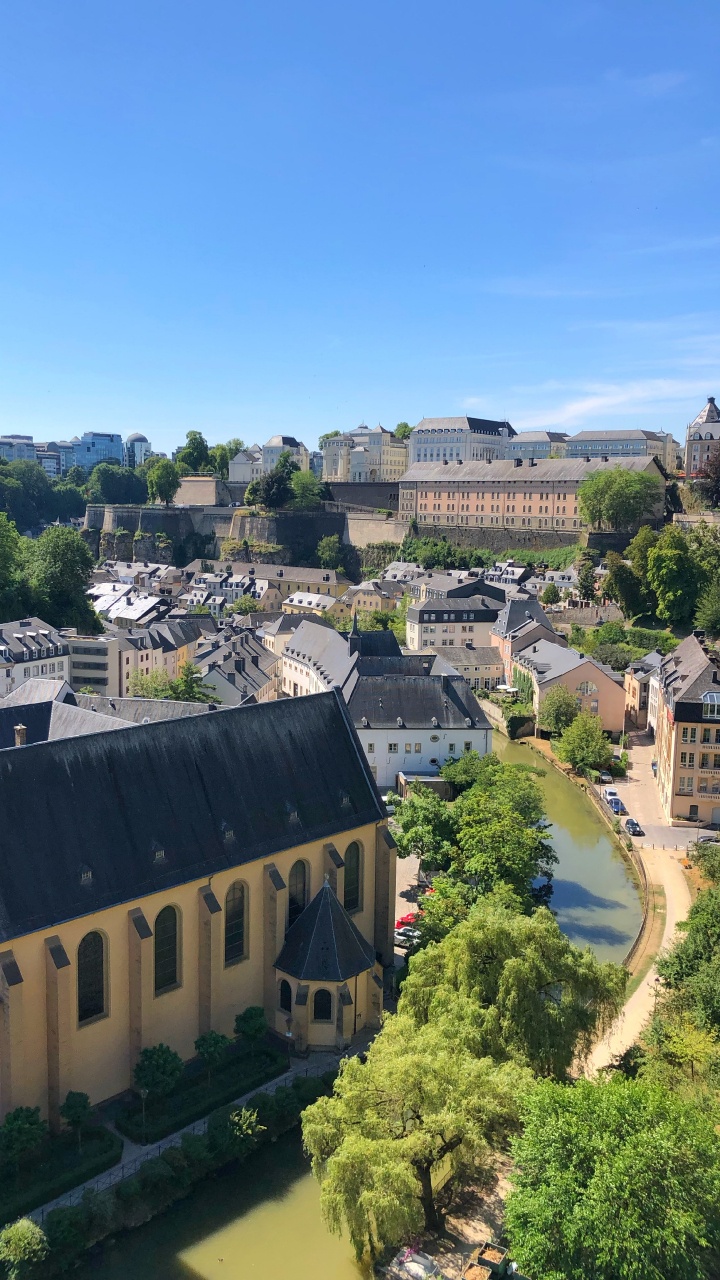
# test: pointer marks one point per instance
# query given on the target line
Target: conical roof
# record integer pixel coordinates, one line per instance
(324, 945)
(710, 413)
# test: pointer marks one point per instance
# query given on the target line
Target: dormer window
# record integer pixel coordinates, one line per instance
(228, 833)
(345, 800)
(158, 855)
(86, 876)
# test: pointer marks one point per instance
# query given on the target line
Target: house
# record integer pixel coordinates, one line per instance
(449, 622)
(369, 597)
(459, 439)
(481, 665)
(596, 688)
(521, 623)
(133, 915)
(512, 494)
(244, 467)
(410, 711)
(311, 602)
(637, 688)
(30, 648)
(702, 438)
(687, 732)
(536, 444)
(278, 445)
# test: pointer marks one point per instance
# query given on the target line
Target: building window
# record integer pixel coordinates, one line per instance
(91, 977)
(353, 858)
(711, 706)
(322, 1006)
(467, 746)
(285, 996)
(418, 748)
(297, 891)
(166, 950)
(451, 748)
(371, 748)
(235, 923)
(392, 748)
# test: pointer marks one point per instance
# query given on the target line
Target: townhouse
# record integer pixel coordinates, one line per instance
(687, 732)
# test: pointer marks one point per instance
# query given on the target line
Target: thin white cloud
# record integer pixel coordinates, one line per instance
(588, 402)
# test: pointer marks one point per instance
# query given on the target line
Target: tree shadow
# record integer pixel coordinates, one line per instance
(570, 895)
(595, 934)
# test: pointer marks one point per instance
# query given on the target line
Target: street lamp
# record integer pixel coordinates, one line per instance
(143, 1097)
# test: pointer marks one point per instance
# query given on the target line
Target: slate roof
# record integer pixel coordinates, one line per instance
(415, 702)
(39, 689)
(709, 413)
(212, 792)
(139, 710)
(48, 721)
(540, 437)
(517, 613)
(547, 471)
(689, 672)
(30, 636)
(548, 661)
(622, 433)
(324, 945)
(483, 426)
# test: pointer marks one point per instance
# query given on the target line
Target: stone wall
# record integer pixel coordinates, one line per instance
(385, 496)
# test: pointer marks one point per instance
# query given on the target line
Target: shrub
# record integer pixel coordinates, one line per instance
(251, 1024)
(62, 1168)
(212, 1047)
(22, 1245)
(75, 1111)
(66, 1229)
(21, 1135)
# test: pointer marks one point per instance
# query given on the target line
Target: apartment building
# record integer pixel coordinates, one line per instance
(286, 579)
(481, 665)
(633, 442)
(277, 445)
(702, 439)
(536, 444)
(459, 439)
(363, 456)
(506, 494)
(450, 622)
(687, 732)
(521, 623)
(245, 467)
(30, 648)
(595, 687)
(637, 688)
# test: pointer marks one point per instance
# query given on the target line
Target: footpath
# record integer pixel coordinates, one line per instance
(135, 1154)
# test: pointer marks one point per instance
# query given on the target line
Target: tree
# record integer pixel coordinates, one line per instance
(557, 710)
(329, 435)
(189, 687)
(274, 489)
(23, 1246)
(427, 828)
(59, 566)
(708, 481)
(113, 484)
(158, 1069)
(76, 476)
(584, 745)
(329, 553)
(76, 1112)
(550, 595)
(251, 1025)
(68, 500)
(586, 580)
(212, 1047)
(194, 453)
(219, 460)
(622, 585)
(163, 481)
(614, 1180)
(707, 858)
(707, 614)
(618, 498)
(639, 549)
(512, 986)
(35, 485)
(307, 491)
(673, 576)
(14, 592)
(234, 447)
(617, 656)
(246, 604)
(402, 430)
(392, 1119)
(21, 1134)
(154, 684)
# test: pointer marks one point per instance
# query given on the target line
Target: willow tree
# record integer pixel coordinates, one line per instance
(513, 986)
(379, 1143)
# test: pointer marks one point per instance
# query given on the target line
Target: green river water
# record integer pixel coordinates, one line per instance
(262, 1222)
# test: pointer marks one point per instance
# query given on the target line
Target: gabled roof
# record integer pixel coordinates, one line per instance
(39, 690)
(324, 945)
(49, 721)
(689, 672)
(517, 613)
(398, 701)
(502, 471)
(210, 791)
(709, 413)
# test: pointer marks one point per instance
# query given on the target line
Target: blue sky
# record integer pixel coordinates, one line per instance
(247, 218)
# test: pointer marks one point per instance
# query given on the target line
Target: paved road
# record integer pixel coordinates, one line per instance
(640, 797)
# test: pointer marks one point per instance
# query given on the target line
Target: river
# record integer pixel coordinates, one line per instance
(262, 1221)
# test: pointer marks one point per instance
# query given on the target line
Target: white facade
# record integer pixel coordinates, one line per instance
(278, 445)
(403, 750)
(245, 467)
(653, 699)
(365, 456)
(455, 439)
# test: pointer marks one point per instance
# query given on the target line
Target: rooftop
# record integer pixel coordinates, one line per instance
(547, 471)
(323, 945)
(482, 426)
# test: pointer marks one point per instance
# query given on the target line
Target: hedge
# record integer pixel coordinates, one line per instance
(195, 1096)
(164, 1179)
(65, 1168)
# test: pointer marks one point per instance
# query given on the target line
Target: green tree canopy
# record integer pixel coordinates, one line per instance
(194, 453)
(68, 500)
(307, 490)
(158, 1069)
(393, 1118)
(76, 1112)
(36, 488)
(639, 549)
(234, 446)
(330, 553)
(557, 710)
(114, 484)
(586, 579)
(508, 985)
(673, 575)
(707, 613)
(618, 498)
(550, 595)
(402, 430)
(219, 460)
(23, 1247)
(212, 1047)
(163, 481)
(244, 605)
(21, 1134)
(622, 585)
(584, 745)
(614, 1180)
(708, 481)
(59, 566)
(328, 435)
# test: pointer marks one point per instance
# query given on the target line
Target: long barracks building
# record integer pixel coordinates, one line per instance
(508, 493)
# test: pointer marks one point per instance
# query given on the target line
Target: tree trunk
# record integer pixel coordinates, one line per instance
(433, 1221)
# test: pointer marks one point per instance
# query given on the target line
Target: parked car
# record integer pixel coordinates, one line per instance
(633, 828)
(406, 936)
(616, 805)
(606, 777)
(610, 793)
(404, 921)
(708, 840)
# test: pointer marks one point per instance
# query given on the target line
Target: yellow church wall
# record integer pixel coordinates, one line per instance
(40, 1024)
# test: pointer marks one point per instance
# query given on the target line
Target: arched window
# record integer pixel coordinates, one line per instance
(91, 977)
(352, 877)
(166, 949)
(322, 1006)
(235, 900)
(285, 997)
(297, 891)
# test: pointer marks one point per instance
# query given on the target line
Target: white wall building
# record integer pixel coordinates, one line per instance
(277, 445)
(459, 439)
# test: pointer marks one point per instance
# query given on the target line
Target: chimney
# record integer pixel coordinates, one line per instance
(531, 462)
(20, 735)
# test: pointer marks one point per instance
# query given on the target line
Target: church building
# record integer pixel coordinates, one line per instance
(155, 882)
